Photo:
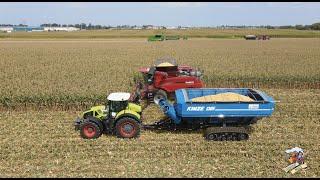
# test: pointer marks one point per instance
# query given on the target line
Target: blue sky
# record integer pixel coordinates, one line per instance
(161, 13)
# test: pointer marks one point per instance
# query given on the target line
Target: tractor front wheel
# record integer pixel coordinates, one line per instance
(90, 130)
(127, 127)
(161, 94)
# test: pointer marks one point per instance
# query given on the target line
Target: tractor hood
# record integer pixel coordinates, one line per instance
(134, 107)
(96, 111)
(96, 108)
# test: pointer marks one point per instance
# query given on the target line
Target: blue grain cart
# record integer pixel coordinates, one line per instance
(222, 120)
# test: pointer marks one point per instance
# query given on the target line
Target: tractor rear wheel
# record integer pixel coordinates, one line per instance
(161, 94)
(127, 127)
(90, 130)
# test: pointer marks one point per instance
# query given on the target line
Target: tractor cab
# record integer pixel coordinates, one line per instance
(116, 102)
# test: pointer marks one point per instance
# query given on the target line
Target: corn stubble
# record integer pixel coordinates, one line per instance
(43, 144)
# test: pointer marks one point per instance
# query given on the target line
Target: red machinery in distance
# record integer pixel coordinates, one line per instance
(264, 37)
(162, 79)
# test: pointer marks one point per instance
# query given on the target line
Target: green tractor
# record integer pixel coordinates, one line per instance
(157, 37)
(119, 117)
(172, 37)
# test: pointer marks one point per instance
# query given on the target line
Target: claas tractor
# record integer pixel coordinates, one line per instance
(118, 116)
(163, 78)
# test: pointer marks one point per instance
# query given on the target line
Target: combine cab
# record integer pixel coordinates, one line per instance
(161, 80)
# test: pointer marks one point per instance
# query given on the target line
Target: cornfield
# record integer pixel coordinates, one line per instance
(45, 84)
(193, 33)
(65, 74)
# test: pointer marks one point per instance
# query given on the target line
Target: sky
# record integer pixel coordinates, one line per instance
(161, 13)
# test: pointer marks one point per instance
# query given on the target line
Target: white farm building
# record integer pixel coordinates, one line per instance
(6, 29)
(68, 29)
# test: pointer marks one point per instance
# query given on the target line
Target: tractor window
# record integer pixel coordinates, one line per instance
(117, 106)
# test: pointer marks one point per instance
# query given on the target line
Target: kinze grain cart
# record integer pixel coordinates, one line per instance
(222, 117)
(118, 117)
(161, 80)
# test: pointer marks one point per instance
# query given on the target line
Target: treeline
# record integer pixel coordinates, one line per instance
(80, 26)
(315, 26)
(91, 26)
(13, 25)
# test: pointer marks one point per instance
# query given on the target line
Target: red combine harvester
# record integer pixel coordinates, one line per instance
(162, 79)
(263, 37)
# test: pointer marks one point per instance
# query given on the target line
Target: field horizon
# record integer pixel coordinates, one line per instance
(190, 33)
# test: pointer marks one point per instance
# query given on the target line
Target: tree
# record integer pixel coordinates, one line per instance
(97, 26)
(83, 26)
(90, 26)
(300, 27)
(286, 27)
(315, 26)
